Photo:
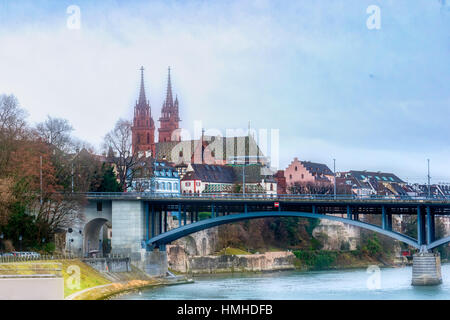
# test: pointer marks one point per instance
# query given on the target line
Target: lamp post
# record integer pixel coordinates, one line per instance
(429, 178)
(20, 242)
(244, 164)
(334, 171)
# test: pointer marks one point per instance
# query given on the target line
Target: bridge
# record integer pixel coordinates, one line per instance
(139, 220)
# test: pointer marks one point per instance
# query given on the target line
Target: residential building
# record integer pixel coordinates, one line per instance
(307, 172)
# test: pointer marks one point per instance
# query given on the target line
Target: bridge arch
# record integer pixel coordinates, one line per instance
(180, 232)
(438, 243)
(92, 239)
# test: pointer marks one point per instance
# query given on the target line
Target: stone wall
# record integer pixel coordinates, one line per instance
(201, 243)
(178, 260)
(153, 263)
(109, 264)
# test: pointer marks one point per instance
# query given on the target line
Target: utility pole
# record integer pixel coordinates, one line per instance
(72, 176)
(334, 170)
(429, 178)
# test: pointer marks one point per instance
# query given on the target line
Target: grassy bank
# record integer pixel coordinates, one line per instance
(93, 285)
(89, 277)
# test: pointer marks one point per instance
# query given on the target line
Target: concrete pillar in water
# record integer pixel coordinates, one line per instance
(426, 269)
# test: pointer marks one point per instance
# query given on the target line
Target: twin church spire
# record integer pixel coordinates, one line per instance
(143, 129)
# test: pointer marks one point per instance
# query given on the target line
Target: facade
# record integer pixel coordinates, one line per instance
(367, 183)
(156, 176)
(307, 172)
(281, 182)
(205, 178)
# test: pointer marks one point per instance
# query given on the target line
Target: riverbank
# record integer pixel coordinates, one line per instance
(83, 282)
(234, 260)
(112, 290)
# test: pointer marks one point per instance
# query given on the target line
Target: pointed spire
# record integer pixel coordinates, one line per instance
(142, 98)
(169, 97)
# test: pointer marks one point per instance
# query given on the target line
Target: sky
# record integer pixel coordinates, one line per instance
(372, 98)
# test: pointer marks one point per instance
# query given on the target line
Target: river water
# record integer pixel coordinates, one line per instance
(389, 283)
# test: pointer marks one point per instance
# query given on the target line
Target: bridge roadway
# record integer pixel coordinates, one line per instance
(228, 208)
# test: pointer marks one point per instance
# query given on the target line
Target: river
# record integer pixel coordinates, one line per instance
(389, 283)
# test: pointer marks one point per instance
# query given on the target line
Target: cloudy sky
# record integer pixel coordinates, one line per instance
(375, 99)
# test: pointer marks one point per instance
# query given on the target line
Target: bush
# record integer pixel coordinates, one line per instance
(49, 247)
(373, 246)
(316, 259)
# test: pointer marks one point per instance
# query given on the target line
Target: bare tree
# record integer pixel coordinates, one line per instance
(56, 132)
(12, 128)
(56, 212)
(118, 145)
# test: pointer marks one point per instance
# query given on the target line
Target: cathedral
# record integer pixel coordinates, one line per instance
(143, 129)
(169, 147)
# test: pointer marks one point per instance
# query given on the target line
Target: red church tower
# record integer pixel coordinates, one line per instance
(169, 121)
(143, 129)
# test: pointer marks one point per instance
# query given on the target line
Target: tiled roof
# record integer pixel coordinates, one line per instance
(178, 151)
(211, 173)
(379, 176)
(316, 168)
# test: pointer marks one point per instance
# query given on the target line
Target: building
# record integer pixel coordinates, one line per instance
(205, 178)
(170, 119)
(367, 183)
(307, 172)
(281, 182)
(143, 129)
(210, 150)
(156, 176)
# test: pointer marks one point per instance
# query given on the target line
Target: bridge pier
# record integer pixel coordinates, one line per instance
(426, 265)
(426, 269)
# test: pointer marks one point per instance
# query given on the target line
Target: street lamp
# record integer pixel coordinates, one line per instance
(236, 159)
(20, 242)
(429, 187)
(334, 170)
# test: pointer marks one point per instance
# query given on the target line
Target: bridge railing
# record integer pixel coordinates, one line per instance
(255, 196)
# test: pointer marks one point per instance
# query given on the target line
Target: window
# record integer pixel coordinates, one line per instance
(163, 186)
(377, 177)
(180, 153)
(99, 206)
(390, 178)
(169, 186)
(290, 176)
(148, 137)
(175, 186)
(295, 168)
(271, 187)
(303, 176)
(157, 185)
(384, 178)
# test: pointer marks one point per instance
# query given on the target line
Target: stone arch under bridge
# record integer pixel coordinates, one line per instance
(93, 236)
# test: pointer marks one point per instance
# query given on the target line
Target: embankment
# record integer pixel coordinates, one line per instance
(269, 261)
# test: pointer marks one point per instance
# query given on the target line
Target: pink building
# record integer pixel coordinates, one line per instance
(307, 172)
